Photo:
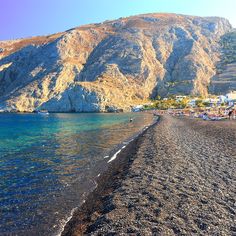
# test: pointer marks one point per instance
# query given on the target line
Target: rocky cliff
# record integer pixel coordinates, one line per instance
(116, 63)
(225, 77)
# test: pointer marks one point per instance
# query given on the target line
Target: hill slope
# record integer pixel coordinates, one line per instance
(225, 78)
(116, 63)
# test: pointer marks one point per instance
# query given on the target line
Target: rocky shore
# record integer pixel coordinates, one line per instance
(177, 178)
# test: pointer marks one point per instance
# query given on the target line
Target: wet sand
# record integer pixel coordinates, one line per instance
(177, 178)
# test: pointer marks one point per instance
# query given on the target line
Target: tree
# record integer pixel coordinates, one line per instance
(199, 103)
(183, 103)
(206, 104)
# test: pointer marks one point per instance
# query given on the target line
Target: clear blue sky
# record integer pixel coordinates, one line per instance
(23, 18)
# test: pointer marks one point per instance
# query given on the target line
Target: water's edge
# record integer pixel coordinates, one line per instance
(120, 160)
(50, 164)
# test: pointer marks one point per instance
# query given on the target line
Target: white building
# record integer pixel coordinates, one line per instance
(179, 98)
(231, 96)
(137, 108)
(192, 103)
(222, 98)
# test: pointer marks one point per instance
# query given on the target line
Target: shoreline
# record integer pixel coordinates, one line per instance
(73, 190)
(119, 162)
(176, 178)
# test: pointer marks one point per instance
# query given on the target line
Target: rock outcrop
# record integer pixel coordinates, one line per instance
(117, 63)
(225, 77)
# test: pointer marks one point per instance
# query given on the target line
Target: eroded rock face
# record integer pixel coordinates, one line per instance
(225, 78)
(116, 63)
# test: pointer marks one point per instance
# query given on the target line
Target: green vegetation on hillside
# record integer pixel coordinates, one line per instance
(170, 103)
(173, 103)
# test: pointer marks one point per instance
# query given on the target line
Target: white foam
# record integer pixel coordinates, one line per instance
(145, 128)
(96, 184)
(64, 222)
(99, 175)
(115, 155)
(106, 157)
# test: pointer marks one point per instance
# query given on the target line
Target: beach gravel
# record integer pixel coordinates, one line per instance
(182, 181)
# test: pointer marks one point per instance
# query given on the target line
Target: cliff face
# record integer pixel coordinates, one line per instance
(116, 63)
(225, 77)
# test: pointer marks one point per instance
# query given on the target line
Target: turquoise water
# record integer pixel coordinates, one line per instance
(49, 163)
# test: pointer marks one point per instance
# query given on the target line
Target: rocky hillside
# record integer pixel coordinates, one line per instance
(116, 63)
(225, 78)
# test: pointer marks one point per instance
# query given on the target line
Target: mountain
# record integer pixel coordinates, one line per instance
(225, 77)
(114, 64)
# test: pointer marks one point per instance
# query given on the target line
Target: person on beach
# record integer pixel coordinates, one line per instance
(230, 114)
(130, 119)
(205, 116)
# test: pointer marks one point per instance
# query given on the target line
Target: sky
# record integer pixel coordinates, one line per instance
(26, 18)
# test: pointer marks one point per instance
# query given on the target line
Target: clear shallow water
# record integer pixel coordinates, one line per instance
(49, 163)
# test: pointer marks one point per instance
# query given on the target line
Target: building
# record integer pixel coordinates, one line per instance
(222, 99)
(137, 108)
(192, 103)
(179, 98)
(231, 96)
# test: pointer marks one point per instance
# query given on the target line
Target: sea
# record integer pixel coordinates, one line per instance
(50, 163)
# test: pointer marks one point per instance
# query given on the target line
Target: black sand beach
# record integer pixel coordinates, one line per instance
(177, 178)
